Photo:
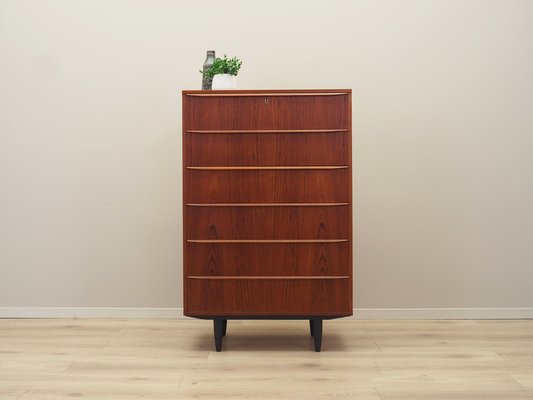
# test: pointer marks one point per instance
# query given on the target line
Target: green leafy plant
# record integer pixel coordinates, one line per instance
(223, 66)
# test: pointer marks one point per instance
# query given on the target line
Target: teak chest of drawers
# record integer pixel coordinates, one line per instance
(267, 193)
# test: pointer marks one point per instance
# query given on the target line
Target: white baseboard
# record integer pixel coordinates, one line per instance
(177, 313)
(442, 313)
(90, 312)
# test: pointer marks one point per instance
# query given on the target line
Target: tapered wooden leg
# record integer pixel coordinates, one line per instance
(317, 333)
(218, 325)
(311, 327)
(224, 327)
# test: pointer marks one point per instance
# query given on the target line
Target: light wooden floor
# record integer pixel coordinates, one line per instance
(174, 359)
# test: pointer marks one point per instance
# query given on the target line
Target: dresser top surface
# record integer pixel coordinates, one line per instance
(261, 92)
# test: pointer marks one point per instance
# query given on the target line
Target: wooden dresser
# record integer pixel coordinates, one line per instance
(267, 190)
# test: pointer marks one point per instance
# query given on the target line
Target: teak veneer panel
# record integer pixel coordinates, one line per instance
(268, 241)
(262, 131)
(268, 223)
(269, 167)
(268, 259)
(269, 297)
(258, 93)
(270, 186)
(266, 112)
(267, 149)
(267, 203)
(265, 277)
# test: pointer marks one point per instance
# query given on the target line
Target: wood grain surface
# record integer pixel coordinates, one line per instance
(269, 297)
(268, 186)
(268, 223)
(266, 112)
(268, 259)
(267, 149)
(267, 194)
(117, 359)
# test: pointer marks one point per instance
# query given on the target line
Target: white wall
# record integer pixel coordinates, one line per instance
(90, 201)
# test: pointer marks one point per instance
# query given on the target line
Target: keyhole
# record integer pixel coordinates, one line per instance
(266, 100)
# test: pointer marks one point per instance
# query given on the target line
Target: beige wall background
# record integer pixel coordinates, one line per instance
(90, 157)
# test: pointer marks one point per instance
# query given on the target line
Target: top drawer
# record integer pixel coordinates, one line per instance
(260, 111)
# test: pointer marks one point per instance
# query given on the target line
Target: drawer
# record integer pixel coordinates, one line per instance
(257, 259)
(268, 222)
(215, 149)
(267, 186)
(274, 297)
(268, 111)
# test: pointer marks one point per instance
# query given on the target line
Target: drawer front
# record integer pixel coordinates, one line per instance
(268, 259)
(268, 222)
(267, 186)
(266, 112)
(212, 297)
(215, 149)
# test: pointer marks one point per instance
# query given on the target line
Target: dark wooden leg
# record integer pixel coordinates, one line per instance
(218, 325)
(317, 333)
(224, 327)
(311, 327)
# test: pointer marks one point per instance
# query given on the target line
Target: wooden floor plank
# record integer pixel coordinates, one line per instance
(174, 359)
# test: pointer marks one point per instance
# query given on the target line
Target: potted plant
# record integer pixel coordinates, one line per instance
(224, 72)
